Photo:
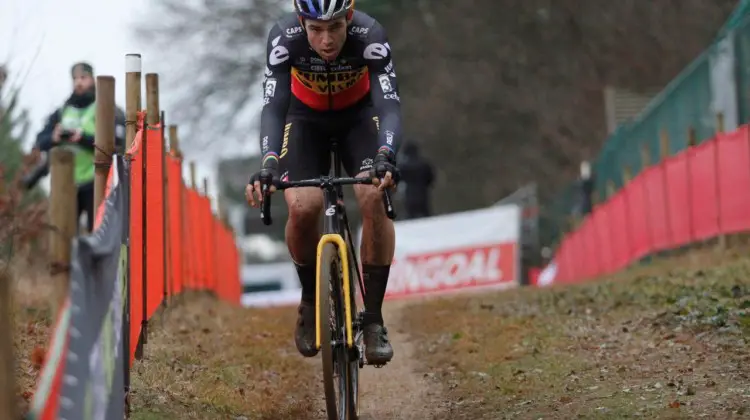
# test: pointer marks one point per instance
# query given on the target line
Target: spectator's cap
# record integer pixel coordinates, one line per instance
(82, 67)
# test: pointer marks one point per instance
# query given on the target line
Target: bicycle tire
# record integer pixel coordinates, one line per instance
(354, 359)
(335, 358)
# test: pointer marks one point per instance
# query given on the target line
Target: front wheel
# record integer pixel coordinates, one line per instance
(339, 373)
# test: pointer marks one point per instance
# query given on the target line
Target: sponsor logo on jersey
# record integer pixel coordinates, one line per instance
(338, 81)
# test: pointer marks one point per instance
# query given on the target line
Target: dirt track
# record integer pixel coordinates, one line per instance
(398, 391)
(663, 341)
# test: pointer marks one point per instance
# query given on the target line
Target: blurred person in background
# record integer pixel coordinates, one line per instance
(73, 126)
(585, 189)
(418, 175)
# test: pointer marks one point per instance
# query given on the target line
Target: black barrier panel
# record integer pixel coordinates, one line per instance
(95, 364)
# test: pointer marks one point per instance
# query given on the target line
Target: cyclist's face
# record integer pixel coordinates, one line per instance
(82, 82)
(326, 38)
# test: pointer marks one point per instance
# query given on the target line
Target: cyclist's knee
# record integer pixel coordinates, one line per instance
(304, 204)
(370, 201)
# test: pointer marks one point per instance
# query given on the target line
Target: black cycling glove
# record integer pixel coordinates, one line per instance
(268, 174)
(385, 161)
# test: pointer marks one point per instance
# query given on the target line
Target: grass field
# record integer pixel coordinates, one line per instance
(664, 341)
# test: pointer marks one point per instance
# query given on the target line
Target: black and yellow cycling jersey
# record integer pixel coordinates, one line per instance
(362, 76)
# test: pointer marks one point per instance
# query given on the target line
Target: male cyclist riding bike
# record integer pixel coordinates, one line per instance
(329, 74)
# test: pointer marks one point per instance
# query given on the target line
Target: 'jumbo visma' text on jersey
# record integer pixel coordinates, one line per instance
(362, 72)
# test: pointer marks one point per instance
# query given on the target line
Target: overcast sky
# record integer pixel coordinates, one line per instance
(47, 36)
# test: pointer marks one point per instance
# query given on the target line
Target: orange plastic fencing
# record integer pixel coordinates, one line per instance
(177, 244)
(136, 239)
(155, 241)
(700, 193)
(175, 188)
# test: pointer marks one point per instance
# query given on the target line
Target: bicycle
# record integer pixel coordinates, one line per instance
(341, 341)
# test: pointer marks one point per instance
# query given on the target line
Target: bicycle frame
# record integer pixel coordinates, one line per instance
(333, 231)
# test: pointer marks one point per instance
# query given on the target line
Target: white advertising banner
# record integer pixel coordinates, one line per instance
(457, 252)
(723, 82)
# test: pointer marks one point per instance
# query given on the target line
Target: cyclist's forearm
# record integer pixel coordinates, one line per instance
(384, 89)
(388, 109)
(273, 117)
(389, 136)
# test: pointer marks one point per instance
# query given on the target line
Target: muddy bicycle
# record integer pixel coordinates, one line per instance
(341, 338)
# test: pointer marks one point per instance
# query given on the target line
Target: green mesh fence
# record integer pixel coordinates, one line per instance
(742, 55)
(683, 105)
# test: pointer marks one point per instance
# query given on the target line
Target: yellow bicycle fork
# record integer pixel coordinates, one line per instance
(338, 240)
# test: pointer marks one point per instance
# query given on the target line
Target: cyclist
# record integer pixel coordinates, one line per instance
(328, 75)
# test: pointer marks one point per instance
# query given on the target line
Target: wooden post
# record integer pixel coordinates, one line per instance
(132, 97)
(722, 244)
(174, 151)
(62, 215)
(664, 144)
(105, 135)
(7, 360)
(165, 210)
(174, 142)
(645, 157)
(212, 269)
(132, 106)
(193, 182)
(610, 189)
(222, 211)
(219, 208)
(692, 138)
(191, 232)
(627, 174)
(719, 122)
(152, 99)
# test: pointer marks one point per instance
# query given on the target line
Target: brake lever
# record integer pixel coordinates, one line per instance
(265, 204)
(388, 203)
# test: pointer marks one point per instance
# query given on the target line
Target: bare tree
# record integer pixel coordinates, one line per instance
(213, 53)
(510, 91)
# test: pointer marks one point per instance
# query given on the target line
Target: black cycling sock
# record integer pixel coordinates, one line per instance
(375, 278)
(306, 274)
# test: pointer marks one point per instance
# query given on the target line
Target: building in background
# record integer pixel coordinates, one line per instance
(622, 105)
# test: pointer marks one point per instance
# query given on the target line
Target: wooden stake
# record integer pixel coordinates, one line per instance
(105, 135)
(152, 99)
(193, 182)
(132, 97)
(7, 360)
(62, 213)
(174, 142)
